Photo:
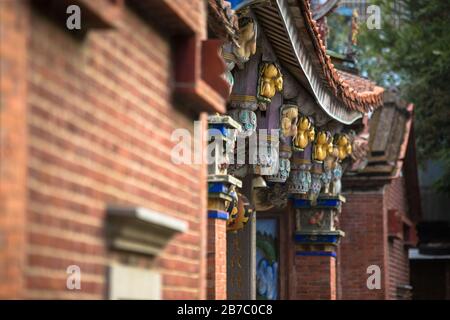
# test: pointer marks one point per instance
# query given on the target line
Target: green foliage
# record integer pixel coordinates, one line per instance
(412, 51)
(340, 29)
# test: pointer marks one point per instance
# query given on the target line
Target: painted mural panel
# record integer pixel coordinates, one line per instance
(267, 259)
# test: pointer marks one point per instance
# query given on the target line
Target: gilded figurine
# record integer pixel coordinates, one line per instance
(270, 81)
(355, 28)
(322, 146)
(328, 166)
(344, 146)
(246, 41)
(289, 118)
(305, 134)
(342, 149)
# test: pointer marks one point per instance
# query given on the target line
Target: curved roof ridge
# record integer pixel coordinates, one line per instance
(344, 89)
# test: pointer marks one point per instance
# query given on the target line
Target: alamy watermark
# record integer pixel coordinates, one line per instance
(374, 280)
(373, 17)
(261, 148)
(73, 22)
(73, 281)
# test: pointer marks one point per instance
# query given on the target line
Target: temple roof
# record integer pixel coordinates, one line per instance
(385, 140)
(359, 84)
(348, 87)
(290, 27)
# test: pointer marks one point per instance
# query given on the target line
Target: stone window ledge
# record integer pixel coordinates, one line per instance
(140, 230)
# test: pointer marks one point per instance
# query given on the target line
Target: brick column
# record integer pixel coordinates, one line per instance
(221, 195)
(14, 29)
(316, 276)
(364, 218)
(316, 240)
(217, 253)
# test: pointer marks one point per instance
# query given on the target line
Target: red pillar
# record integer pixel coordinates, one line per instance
(317, 236)
(315, 277)
(14, 34)
(217, 262)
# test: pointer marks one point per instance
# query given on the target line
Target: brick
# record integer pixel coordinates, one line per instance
(86, 123)
(364, 218)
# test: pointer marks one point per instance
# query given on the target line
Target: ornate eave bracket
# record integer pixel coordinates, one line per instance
(298, 52)
(221, 185)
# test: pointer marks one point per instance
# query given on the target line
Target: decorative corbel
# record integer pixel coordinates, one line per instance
(240, 211)
(305, 134)
(288, 128)
(221, 185)
(323, 146)
(343, 148)
(270, 81)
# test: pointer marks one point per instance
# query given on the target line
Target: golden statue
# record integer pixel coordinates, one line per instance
(323, 146)
(331, 158)
(355, 27)
(246, 40)
(270, 81)
(305, 133)
(344, 146)
(289, 118)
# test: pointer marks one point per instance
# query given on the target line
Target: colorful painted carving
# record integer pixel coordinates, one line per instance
(246, 118)
(310, 220)
(241, 213)
(305, 133)
(335, 186)
(232, 205)
(322, 146)
(289, 119)
(344, 146)
(316, 185)
(284, 168)
(222, 134)
(270, 81)
(316, 219)
(248, 33)
(326, 178)
(266, 160)
(278, 195)
(239, 167)
(328, 166)
(300, 180)
(285, 147)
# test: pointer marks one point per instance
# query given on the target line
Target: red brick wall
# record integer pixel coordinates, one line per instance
(398, 253)
(315, 278)
(99, 120)
(217, 259)
(13, 145)
(364, 221)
